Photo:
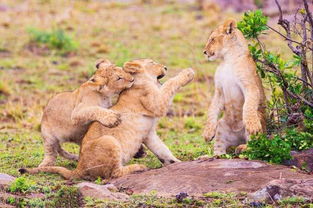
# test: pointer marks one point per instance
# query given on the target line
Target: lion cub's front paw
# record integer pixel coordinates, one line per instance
(188, 75)
(209, 132)
(112, 119)
(253, 125)
(170, 161)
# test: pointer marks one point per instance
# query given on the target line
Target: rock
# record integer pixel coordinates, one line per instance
(202, 176)
(278, 189)
(5, 179)
(101, 191)
(303, 160)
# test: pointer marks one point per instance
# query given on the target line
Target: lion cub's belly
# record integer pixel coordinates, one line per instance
(233, 95)
(131, 133)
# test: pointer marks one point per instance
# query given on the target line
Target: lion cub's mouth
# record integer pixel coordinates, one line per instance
(160, 76)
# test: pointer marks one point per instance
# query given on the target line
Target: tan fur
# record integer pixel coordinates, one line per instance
(67, 116)
(105, 151)
(238, 91)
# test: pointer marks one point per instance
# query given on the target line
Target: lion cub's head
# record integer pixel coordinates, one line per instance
(222, 40)
(109, 79)
(145, 70)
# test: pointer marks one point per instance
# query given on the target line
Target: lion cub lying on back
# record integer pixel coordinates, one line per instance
(238, 91)
(68, 115)
(104, 151)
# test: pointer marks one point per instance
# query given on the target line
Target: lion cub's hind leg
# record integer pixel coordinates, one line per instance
(226, 137)
(102, 157)
(50, 150)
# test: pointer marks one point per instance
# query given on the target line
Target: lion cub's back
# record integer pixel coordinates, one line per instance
(56, 119)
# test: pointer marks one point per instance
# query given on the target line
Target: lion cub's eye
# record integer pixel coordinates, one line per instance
(93, 80)
(119, 78)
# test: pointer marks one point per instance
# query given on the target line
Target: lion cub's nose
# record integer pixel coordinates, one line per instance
(205, 53)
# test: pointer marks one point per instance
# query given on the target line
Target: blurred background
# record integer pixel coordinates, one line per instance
(50, 46)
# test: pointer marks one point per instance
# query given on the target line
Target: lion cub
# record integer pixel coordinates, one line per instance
(238, 91)
(68, 115)
(104, 151)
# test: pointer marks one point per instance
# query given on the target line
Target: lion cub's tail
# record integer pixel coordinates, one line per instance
(67, 174)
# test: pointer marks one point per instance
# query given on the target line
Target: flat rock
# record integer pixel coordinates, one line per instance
(101, 191)
(202, 176)
(5, 179)
(278, 189)
(302, 160)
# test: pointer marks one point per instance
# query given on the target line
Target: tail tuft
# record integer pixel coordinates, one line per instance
(22, 170)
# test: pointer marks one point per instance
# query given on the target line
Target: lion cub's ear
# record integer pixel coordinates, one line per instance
(132, 67)
(102, 63)
(229, 26)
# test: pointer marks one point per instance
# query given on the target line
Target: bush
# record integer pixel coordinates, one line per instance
(273, 150)
(56, 39)
(298, 140)
(290, 109)
(253, 24)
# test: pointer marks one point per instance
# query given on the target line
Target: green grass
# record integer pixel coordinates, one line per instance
(167, 33)
(56, 39)
(21, 184)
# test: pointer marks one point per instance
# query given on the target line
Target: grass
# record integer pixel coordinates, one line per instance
(20, 184)
(56, 40)
(173, 34)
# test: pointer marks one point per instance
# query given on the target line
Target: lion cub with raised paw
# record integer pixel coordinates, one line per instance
(238, 91)
(104, 151)
(67, 116)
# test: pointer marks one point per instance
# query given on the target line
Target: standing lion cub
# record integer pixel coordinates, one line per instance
(68, 115)
(238, 91)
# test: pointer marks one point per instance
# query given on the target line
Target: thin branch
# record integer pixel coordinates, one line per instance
(286, 25)
(285, 84)
(307, 9)
(280, 10)
(310, 18)
(301, 98)
(284, 36)
(305, 82)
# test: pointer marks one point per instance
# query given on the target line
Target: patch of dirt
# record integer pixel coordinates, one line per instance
(4, 53)
(36, 49)
(202, 176)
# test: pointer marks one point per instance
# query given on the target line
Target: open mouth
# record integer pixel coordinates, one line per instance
(160, 76)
